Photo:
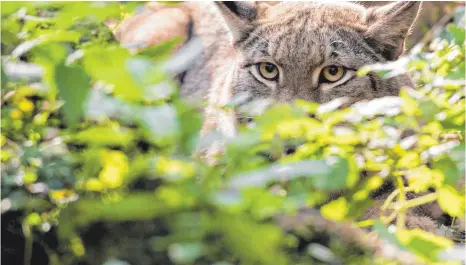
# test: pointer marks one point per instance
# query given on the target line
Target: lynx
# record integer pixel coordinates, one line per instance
(287, 51)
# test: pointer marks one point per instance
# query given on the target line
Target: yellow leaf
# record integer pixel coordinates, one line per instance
(170, 196)
(30, 177)
(61, 195)
(335, 210)
(16, 114)
(451, 201)
(426, 141)
(115, 167)
(26, 105)
(111, 176)
(33, 219)
(422, 178)
(94, 184)
(409, 160)
(174, 169)
(77, 246)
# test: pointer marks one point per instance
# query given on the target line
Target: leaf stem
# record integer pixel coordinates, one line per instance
(389, 199)
(418, 201)
(390, 218)
(27, 243)
(366, 223)
(400, 221)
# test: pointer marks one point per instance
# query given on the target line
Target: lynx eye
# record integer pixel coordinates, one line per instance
(268, 71)
(331, 74)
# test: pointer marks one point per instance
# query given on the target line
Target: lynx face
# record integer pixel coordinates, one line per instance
(312, 50)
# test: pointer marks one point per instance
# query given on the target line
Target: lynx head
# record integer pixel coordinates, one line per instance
(312, 50)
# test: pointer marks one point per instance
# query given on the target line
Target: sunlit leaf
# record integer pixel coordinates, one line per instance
(335, 210)
(424, 244)
(451, 201)
(104, 136)
(109, 64)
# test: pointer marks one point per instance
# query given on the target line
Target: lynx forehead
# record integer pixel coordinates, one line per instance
(312, 50)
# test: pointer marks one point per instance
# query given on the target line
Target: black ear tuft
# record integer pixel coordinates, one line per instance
(238, 16)
(389, 26)
(244, 10)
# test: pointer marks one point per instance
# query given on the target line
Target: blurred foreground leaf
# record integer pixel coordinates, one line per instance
(73, 85)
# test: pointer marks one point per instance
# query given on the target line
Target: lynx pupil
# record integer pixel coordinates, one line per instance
(269, 67)
(333, 70)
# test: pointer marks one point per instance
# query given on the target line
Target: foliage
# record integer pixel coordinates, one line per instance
(99, 160)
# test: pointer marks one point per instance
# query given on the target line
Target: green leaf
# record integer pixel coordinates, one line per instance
(49, 56)
(185, 253)
(410, 106)
(161, 124)
(261, 177)
(109, 65)
(277, 113)
(161, 51)
(458, 73)
(9, 7)
(384, 233)
(17, 200)
(422, 243)
(3, 77)
(134, 206)
(190, 125)
(76, 11)
(46, 38)
(409, 160)
(60, 36)
(451, 201)
(252, 242)
(457, 33)
(73, 86)
(337, 178)
(242, 144)
(429, 109)
(449, 170)
(458, 155)
(33, 219)
(104, 136)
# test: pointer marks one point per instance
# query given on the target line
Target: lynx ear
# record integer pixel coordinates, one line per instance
(238, 15)
(389, 26)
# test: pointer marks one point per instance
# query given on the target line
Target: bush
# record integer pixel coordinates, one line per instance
(99, 165)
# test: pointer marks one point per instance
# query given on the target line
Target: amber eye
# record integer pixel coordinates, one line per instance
(268, 71)
(331, 74)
